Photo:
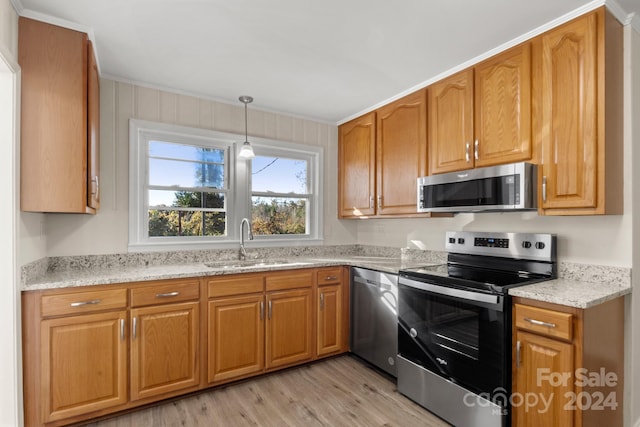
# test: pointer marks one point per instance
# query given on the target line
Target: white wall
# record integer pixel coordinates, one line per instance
(632, 133)
(107, 232)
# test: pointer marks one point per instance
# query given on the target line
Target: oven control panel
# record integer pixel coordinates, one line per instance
(534, 246)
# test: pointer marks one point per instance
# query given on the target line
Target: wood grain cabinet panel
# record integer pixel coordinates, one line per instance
(578, 116)
(60, 119)
(503, 108)
(356, 167)
(83, 364)
(289, 327)
(236, 337)
(329, 320)
(451, 123)
(164, 349)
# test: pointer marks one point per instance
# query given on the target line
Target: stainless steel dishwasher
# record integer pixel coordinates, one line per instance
(374, 328)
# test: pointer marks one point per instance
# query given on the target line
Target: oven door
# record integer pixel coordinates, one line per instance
(456, 333)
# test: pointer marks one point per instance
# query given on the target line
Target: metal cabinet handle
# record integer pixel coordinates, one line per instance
(475, 149)
(81, 303)
(168, 294)
(371, 202)
(97, 181)
(379, 201)
(270, 310)
(466, 154)
(321, 300)
(261, 310)
(122, 330)
(135, 327)
(518, 345)
(540, 322)
(544, 188)
(328, 278)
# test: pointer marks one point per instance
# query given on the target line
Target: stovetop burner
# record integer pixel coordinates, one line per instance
(493, 262)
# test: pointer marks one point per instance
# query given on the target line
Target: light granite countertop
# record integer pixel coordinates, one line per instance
(578, 285)
(573, 293)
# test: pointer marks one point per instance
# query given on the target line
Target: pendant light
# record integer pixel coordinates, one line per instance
(246, 152)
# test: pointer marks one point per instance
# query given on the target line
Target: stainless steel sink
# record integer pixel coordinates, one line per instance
(254, 263)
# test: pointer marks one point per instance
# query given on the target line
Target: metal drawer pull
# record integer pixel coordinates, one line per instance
(331, 278)
(540, 323)
(81, 303)
(168, 294)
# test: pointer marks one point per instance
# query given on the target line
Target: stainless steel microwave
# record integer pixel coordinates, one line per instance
(495, 188)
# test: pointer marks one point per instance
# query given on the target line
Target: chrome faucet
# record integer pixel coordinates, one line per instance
(243, 252)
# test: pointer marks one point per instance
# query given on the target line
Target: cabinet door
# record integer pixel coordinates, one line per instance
(542, 363)
(236, 337)
(356, 167)
(451, 123)
(567, 114)
(289, 327)
(84, 364)
(401, 153)
(53, 142)
(164, 349)
(93, 130)
(329, 319)
(503, 108)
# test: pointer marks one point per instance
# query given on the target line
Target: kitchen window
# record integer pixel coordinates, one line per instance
(189, 190)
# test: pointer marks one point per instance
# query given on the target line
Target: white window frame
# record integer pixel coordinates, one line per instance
(314, 157)
(238, 196)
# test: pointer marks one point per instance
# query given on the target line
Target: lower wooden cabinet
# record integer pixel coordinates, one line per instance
(289, 327)
(91, 352)
(236, 337)
(568, 364)
(164, 349)
(84, 365)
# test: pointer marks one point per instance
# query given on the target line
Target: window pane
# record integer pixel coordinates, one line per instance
(278, 215)
(186, 223)
(186, 199)
(185, 152)
(279, 175)
(185, 174)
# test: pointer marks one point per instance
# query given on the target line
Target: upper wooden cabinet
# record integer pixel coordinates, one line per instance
(577, 109)
(356, 167)
(60, 119)
(381, 155)
(482, 116)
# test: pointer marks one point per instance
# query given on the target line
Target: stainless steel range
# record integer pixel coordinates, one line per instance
(454, 324)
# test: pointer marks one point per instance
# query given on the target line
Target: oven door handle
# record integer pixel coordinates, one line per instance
(451, 292)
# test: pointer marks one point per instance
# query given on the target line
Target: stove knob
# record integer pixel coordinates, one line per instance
(452, 240)
(461, 240)
(526, 244)
(540, 245)
(413, 333)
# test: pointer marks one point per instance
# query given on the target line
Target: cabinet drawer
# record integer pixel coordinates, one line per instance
(83, 302)
(163, 293)
(235, 285)
(290, 279)
(545, 322)
(329, 276)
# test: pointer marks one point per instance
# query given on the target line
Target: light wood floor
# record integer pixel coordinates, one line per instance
(340, 391)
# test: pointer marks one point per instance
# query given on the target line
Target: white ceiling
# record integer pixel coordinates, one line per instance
(326, 60)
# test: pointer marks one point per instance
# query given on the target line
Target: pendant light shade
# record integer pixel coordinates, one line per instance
(246, 152)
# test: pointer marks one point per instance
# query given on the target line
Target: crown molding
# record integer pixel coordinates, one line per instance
(618, 12)
(17, 5)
